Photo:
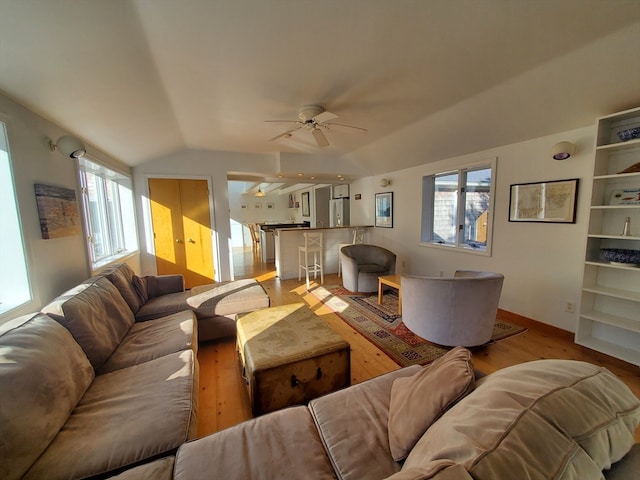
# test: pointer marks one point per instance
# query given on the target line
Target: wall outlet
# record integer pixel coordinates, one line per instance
(570, 307)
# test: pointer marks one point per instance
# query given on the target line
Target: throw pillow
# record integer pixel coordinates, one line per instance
(140, 284)
(146, 288)
(419, 400)
(121, 275)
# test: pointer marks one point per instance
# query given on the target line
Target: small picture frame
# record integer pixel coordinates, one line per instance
(306, 212)
(384, 210)
(257, 205)
(270, 205)
(244, 205)
(358, 196)
(546, 202)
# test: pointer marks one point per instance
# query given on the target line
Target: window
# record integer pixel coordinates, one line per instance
(14, 282)
(456, 208)
(109, 215)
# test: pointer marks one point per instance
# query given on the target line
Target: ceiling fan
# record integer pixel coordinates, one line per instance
(315, 119)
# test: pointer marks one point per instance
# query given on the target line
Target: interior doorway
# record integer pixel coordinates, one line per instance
(182, 234)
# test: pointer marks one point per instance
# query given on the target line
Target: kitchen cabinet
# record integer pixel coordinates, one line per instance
(341, 191)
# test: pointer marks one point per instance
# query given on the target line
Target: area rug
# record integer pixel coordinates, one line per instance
(382, 326)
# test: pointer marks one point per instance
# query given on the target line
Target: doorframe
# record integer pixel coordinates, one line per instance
(148, 224)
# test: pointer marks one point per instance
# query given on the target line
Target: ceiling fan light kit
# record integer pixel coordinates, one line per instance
(314, 118)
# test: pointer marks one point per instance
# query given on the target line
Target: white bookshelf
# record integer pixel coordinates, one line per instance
(609, 319)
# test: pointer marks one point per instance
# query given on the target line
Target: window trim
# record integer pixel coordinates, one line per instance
(428, 186)
(7, 313)
(104, 171)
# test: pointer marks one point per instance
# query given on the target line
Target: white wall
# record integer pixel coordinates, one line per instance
(542, 262)
(57, 264)
(243, 206)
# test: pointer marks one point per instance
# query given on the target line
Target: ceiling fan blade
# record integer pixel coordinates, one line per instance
(339, 127)
(282, 121)
(321, 140)
(285, 134)
(324, 117)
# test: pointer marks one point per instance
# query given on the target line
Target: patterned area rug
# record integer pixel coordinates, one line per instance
(383, 327)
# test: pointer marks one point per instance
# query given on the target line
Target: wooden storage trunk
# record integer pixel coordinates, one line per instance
(289, 356)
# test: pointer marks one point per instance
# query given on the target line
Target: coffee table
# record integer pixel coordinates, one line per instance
(288, 356)
(394, 282)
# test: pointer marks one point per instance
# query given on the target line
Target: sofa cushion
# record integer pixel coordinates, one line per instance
(124, 418)
(155, 338)
(43, 375)
(141, 285)
(121, 275)
(417, 401)
(228, 298)
(161, 469)
(214, 300)
(547, 419)
(444, 470)
(353, 427)
(96, 315)
(279, 445)
(163, 305)
(151, 286)
(371, 268)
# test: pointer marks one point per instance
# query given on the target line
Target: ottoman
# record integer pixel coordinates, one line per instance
(289, 356)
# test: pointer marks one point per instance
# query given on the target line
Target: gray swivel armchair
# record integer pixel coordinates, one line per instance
(454, 311)
(362, 265)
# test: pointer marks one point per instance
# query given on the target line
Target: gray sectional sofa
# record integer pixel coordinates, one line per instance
(105, 377)
(87, 391)
(546, 419)
(215, 305)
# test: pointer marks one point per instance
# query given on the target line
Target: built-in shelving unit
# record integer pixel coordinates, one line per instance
(609, 319)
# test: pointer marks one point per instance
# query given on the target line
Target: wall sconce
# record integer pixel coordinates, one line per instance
(384, 182)
(563, 150)
(68, 146)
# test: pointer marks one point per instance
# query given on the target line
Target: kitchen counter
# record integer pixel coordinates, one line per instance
(287, 241)
(267, 231)
(275, 226)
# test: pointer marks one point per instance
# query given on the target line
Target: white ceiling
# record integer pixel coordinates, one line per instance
(142, 78)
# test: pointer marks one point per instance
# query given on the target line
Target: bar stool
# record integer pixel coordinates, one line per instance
(312, 244)
(358, 237)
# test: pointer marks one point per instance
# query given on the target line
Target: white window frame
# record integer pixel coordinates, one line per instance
(108, 212)
(15, 288)
(428, 190)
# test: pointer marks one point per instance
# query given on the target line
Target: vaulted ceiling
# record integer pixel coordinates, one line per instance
(142, 78)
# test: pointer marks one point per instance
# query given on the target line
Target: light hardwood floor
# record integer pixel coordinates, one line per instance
(224, 401)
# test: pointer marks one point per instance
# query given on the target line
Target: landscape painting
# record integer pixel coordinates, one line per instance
(58, 211)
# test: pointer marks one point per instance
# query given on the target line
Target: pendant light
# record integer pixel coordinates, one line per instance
(259, 193)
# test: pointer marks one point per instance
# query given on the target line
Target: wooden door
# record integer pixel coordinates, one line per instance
(182, 229)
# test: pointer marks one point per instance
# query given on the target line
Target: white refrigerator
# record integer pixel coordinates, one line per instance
(339, 212)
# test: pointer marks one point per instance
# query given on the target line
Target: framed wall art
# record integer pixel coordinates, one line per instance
(384, 210)
(547, 202)
(306, 212)
(58, 211)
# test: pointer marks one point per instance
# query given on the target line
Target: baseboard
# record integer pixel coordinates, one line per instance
(550, 330)
(535, 324)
